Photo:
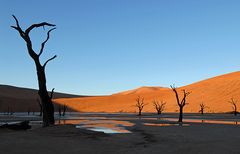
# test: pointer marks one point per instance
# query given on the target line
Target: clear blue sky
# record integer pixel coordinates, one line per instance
(107, 46)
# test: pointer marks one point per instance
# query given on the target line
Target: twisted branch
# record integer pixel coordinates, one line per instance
(43, 44)
(18, 28)
(27, 31)
(44, 65)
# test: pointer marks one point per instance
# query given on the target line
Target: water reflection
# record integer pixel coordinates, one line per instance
(95, 124)
(216, 122)
(204, 121)
(165, 124)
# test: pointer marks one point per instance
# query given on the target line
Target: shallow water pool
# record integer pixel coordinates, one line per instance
(100, 125)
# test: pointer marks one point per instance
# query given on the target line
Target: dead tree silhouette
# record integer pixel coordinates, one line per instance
(140, 105)
(181, 103)
(159, 106)
(202, 108)
(234, 106)
(64, 110)
(59, 110)
(10, 110)
(52, 93)
(28, 111)
(48, 108)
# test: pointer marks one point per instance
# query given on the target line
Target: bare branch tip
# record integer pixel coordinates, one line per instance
(14, 17)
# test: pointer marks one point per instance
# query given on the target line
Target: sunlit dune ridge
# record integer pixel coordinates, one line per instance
(215, 93)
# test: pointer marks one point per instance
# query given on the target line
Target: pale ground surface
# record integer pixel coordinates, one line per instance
(197, 138)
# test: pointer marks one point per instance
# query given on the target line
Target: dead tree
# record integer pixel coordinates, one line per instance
(40, 106)
(140, 104)
(181, 103)
(234, 106)
(11, 112)
(159, 106)
(28, 111)
(202, 108)
(8, 110)
(64, 109)
(60, 110)
(52, 92)
(48, 108)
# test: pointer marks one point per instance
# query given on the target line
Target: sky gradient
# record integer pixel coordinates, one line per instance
(108, 46)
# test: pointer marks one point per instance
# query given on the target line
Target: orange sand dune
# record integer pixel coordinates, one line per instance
(214, 92)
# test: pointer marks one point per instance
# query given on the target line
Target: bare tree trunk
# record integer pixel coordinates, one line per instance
(180, 114)
(59, 110)
(140, 112)
(181, 103)
(8, 110)
(47, 105)
(235, 113)
(234, 106)
(140, 104)
(159, 106)
(64, 109)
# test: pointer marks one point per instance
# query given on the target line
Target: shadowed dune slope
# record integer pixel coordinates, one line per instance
(22, 99)
(214, 93)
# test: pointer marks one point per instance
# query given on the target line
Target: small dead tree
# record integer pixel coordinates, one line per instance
(202, 108)
(64, 109)
(234, 106)
(159, 106)
(181, 103)
(48, 108)
(52, 93)
(8, 110)
(140, 104)
(28, 111)
(11, 111)
(60, 110)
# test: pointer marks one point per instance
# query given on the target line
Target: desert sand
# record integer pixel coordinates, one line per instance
(187, 139)
(214, 93)
(148, 134)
